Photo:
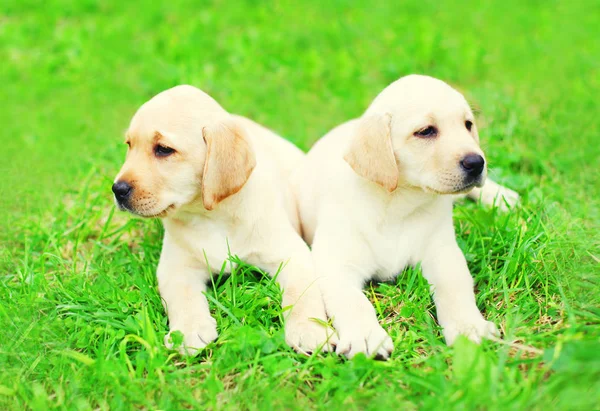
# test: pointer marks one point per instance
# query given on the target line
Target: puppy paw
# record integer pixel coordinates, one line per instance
(474, 330)
(195, 337)
(502, 197)
(372, 340)
(506, 198)
(308, 335)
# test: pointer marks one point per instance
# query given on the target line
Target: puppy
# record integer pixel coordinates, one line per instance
(376, 194)
(220, 184)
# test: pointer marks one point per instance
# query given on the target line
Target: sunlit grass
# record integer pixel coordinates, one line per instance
(81, 322)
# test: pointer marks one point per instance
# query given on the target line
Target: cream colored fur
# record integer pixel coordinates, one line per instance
(374, 197)
(224, 189)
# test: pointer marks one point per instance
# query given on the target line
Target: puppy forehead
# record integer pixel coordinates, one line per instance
(444, 108)
(139, 136)
(423, 114)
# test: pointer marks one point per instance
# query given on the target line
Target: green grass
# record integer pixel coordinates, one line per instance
(81, 324)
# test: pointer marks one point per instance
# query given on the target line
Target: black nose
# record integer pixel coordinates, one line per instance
(122, 190)
(472, 164)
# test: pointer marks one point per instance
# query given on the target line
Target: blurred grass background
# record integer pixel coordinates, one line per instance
(74, 72)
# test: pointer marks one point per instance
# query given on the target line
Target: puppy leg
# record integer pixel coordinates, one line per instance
(182, 283)
(304, 311)
(305, 319)
(353, 316)
(493, 193)
(445, 268)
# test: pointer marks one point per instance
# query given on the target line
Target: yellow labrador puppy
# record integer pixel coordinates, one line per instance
(219, 182)
(376, 194)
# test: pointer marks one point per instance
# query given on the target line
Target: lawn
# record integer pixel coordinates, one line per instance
(81, 323)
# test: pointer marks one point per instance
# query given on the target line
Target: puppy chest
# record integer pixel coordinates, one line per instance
(210, 244)
(395, 250)
(213, 253)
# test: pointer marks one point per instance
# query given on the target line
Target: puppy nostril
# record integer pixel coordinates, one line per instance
(473, 164)
(121, 189)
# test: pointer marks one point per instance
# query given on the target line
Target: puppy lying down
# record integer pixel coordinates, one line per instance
(217, 180)
(375, 195)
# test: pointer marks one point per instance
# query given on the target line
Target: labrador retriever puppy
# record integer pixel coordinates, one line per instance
(220, 184)
(376, 194)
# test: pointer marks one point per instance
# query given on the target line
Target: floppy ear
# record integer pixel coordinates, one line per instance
(371, 154)
(229, 162)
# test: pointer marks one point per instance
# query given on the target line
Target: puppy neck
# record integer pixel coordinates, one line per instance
(408, 199)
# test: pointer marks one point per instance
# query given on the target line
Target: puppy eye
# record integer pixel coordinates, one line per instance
(163, 151)
(427, 132)
(468, 124)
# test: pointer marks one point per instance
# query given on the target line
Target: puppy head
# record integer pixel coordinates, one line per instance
(182, 148)
(419, 132)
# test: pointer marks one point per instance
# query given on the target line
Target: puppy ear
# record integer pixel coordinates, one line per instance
(229, 162)
(371, 154)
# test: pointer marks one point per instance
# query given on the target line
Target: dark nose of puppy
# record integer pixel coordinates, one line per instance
(122, 191)
(472, 164)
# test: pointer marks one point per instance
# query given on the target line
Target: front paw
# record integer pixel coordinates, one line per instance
(309, 334)
(196, 336)
(502, 197)
(507, 198)
(474, 330)
(372, 340)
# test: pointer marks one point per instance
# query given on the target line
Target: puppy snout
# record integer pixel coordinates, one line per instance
(473, 165)
(122, 190)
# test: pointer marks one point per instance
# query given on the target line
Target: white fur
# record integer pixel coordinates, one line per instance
(258, 223)
(359, 230)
